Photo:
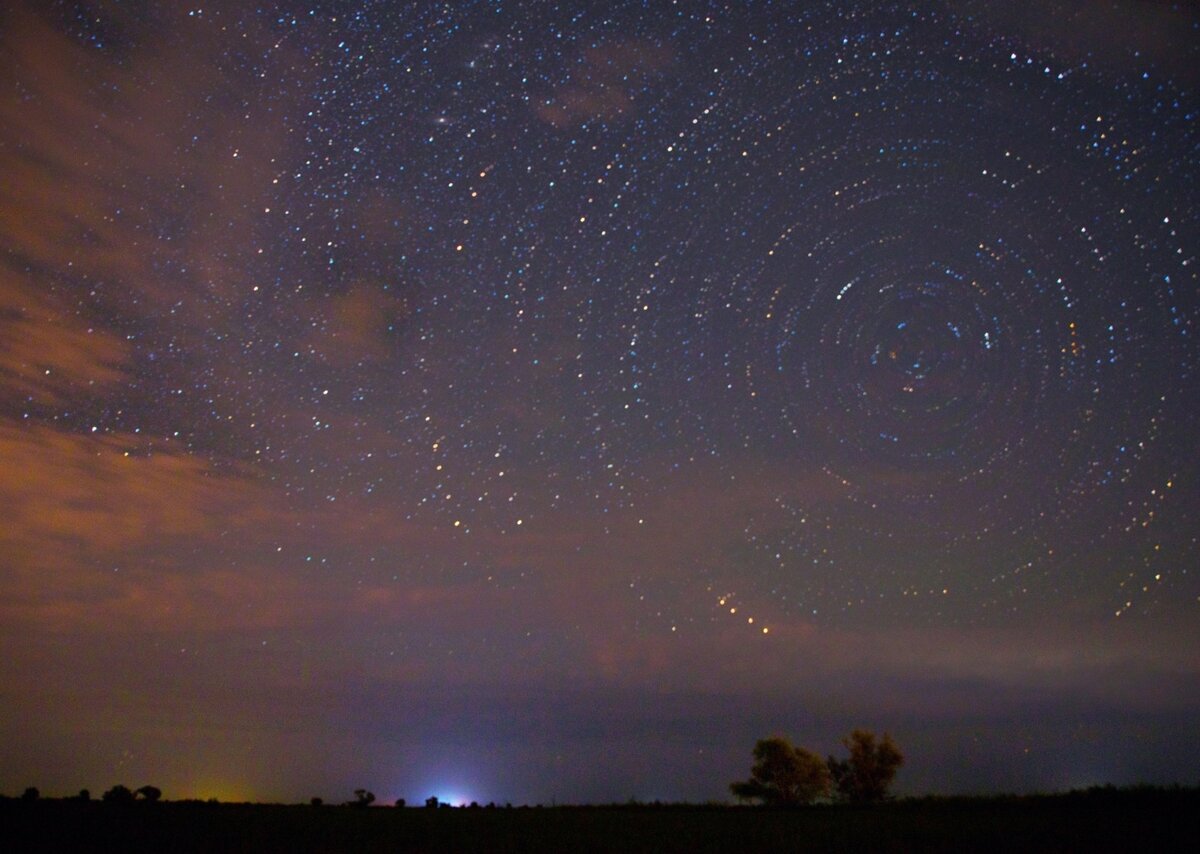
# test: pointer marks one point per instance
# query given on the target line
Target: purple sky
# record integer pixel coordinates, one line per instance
(523, 402)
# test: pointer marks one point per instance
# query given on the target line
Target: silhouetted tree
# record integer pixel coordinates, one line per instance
(432, 802)
(400, 802)
(31, 794)
(149, 794)
(316, 802)
(784, 775)
(865, 777)
(118, 794)
(84, 795)
(363, 798)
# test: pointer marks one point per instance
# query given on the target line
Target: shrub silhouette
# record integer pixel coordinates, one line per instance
(400, 802)
(784, 775)
(149, 794)
(363, 798)
(118, 794)
(431, 802)
(31, 794)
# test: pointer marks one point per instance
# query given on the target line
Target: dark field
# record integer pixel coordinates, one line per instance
(1150, 821)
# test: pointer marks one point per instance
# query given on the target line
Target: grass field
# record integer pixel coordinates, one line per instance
(1104, 820)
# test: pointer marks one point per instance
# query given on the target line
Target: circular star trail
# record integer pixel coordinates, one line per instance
(907, 291)
(901, 251)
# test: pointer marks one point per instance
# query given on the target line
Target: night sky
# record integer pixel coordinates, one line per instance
(541, 402)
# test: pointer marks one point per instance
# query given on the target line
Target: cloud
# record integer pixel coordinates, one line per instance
(119, 533)
(128, 215)
(138, 182)
(357, 327)
(112, 492)
(610, 79)
(47, 354)
(97, 527)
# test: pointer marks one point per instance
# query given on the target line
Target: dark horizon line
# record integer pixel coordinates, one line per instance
(1097, 790)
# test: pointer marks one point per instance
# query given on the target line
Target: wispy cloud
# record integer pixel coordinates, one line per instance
(611, 78)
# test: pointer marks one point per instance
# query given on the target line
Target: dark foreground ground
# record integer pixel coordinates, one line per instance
(1144, 821)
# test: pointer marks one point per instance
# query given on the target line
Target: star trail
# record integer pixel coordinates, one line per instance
(545, 401)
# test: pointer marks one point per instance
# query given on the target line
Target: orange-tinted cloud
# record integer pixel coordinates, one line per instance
(81, 510)
(130, 178)
(47, 354)
(110, 492)
(357, 327)
(124, 182)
